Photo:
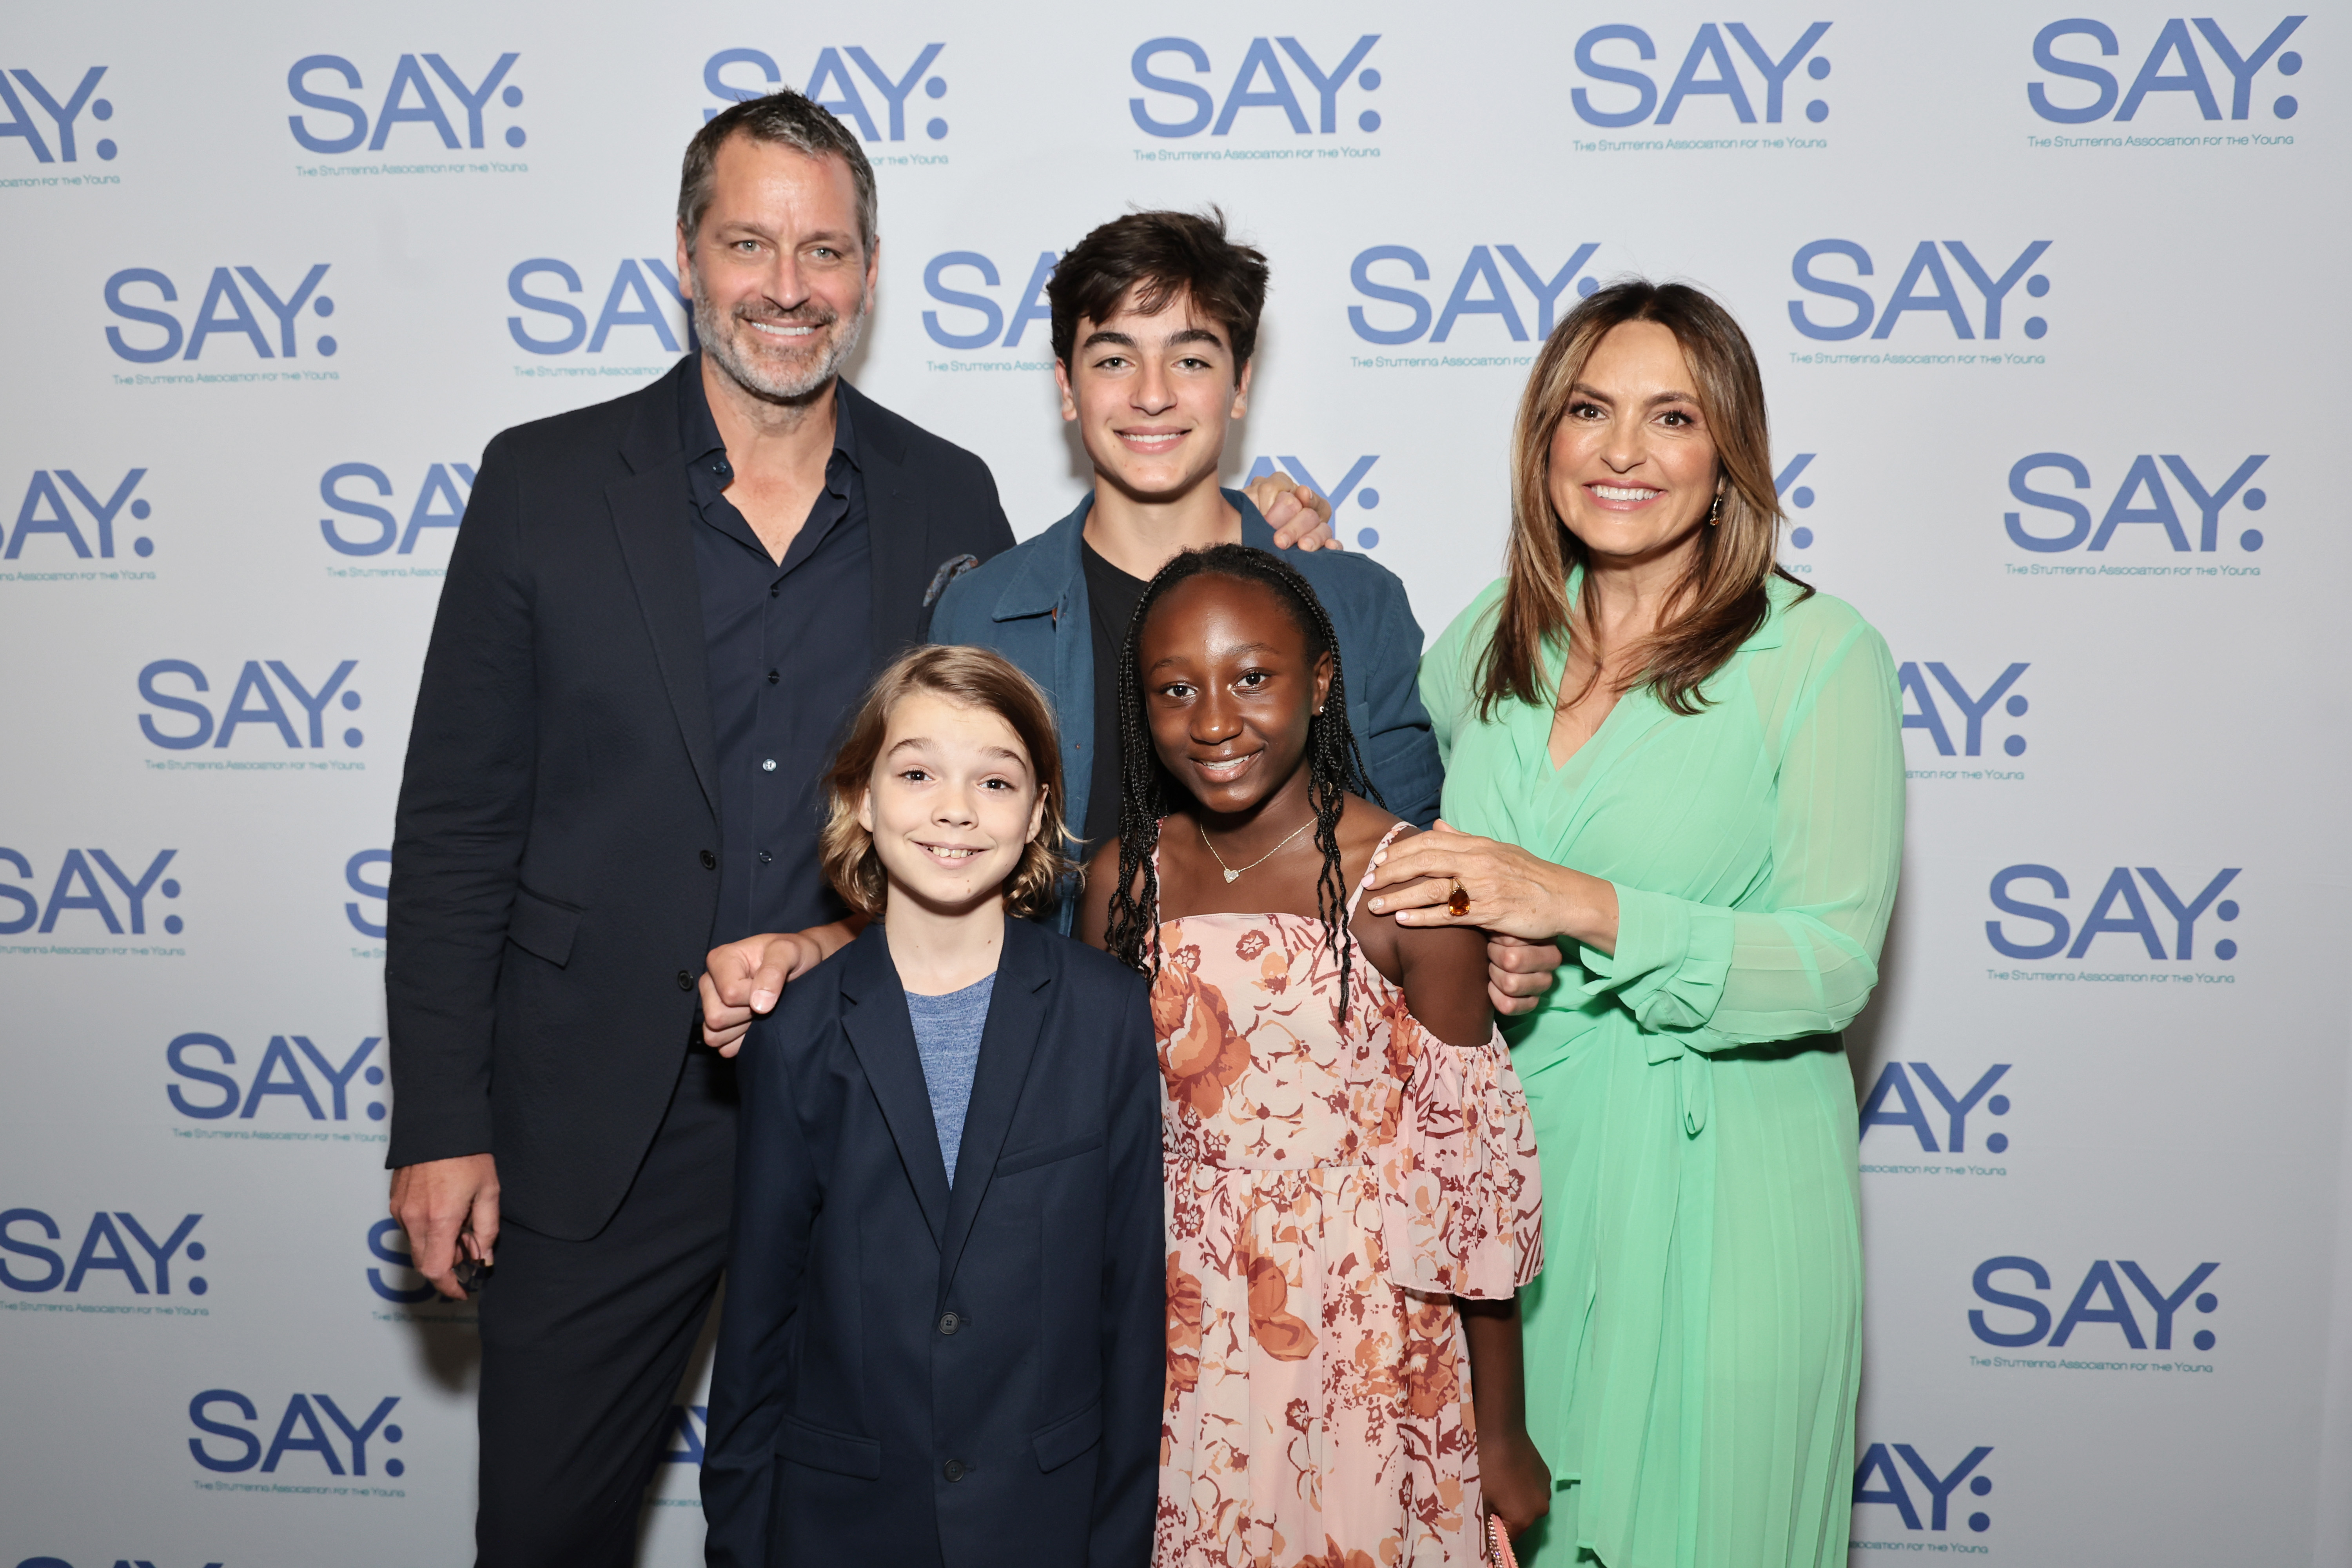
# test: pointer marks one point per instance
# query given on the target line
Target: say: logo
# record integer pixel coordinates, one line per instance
(2174, 44)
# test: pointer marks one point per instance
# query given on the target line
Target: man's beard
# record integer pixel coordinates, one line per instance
(752, 361)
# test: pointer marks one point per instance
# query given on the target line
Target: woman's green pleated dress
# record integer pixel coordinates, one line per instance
(1695, 1341)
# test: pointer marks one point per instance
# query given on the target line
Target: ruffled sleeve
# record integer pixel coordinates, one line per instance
(1800, 956)
(1461, 1197)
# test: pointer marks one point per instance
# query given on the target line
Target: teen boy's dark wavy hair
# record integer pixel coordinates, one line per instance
(1335, 768)
(1157, 255)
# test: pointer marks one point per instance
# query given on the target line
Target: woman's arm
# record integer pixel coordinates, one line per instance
(1512, 1475)
(1803, 961)
(1511, 891)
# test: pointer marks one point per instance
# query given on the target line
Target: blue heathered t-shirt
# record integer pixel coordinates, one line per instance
(947, 1035)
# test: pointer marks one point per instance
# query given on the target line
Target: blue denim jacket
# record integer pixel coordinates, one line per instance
(1030, 605)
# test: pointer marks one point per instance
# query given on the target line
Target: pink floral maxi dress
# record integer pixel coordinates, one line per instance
(1333, 1183)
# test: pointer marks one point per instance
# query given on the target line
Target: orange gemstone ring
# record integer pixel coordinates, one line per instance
(1459, 904)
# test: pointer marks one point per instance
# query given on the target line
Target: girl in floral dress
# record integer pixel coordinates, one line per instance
(1352, 1196)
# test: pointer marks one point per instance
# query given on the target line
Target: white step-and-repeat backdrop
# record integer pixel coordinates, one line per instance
(2053, 316)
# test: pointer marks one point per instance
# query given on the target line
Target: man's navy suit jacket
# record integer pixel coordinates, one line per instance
(553, 877)
(912, 1375)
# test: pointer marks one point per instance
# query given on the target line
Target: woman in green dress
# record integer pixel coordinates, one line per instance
(1686, 769)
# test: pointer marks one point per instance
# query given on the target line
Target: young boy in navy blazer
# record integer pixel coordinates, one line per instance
(943, 1340)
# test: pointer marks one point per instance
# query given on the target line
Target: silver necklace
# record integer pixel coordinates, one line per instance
(1231, 874)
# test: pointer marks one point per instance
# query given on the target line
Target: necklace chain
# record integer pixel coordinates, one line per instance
(1231, 874)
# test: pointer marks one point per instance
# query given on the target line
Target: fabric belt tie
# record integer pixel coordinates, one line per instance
(1695, 1078)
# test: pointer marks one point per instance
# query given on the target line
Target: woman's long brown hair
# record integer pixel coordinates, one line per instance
(1722, 599)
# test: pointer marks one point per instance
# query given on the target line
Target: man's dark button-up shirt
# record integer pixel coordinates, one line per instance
(789, 649)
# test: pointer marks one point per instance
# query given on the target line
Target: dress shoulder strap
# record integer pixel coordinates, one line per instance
(1366, 881)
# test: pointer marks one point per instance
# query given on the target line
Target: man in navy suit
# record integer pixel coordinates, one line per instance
(655, 616)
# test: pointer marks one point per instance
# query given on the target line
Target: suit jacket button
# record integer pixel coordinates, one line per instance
(709, 861)
(685, 980)
(952, 1470)
(951, 1323)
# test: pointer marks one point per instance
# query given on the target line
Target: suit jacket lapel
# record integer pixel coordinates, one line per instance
(651, 514)
(897, 530)
(1017, 1010)
(883, 1037)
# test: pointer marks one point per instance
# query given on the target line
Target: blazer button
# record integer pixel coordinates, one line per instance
(709, 861)
(685, 980)
(951, 1323)
(952, 1470)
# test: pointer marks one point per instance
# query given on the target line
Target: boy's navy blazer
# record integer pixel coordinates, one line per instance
(909, 1375)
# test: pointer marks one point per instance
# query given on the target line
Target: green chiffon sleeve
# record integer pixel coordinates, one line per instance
(1800, 955)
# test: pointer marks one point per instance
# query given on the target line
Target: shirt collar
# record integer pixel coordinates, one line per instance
(1050, 567)
(698, 430)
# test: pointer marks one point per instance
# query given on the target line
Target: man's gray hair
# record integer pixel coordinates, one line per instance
(787, 119)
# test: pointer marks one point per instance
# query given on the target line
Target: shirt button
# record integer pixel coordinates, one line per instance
(711, 861)
(952, 1470)
(771, 677)
(685, 980)
(773, 592)
(768, 765)
(766, 859)
(951, 1323)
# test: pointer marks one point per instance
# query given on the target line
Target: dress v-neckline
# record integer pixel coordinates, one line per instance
(1555, 678)
(1551, 721)
(1593, 746)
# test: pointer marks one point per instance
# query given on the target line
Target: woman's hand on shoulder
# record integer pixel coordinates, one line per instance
(1447, 877)
(1442, 969)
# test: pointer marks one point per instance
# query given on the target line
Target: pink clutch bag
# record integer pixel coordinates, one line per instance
(1499, 1544)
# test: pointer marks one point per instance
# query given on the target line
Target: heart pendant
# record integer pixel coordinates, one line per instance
(1233, 876)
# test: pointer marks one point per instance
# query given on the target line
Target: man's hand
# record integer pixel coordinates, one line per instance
(743, 980)
(444, 1205)
(1300, 519)
(1518, 972)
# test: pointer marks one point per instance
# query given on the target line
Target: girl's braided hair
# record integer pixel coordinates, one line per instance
(1147, 792)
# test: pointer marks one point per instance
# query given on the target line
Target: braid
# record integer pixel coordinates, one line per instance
(1335, 765)
(1134, 921)
(1334, 768)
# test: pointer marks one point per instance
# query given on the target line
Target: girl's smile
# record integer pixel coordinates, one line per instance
(1229, 693)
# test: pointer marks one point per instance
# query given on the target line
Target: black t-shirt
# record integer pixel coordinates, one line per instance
(1111, 598)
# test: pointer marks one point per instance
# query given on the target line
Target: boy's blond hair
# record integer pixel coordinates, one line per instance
(971, 678)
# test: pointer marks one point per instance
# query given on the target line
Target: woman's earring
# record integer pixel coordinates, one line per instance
(1715, 512)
